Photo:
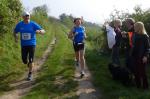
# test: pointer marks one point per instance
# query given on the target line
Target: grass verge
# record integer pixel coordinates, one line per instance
(55, 80)
(98, 65)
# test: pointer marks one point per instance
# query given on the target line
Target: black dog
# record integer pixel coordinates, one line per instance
(119, 73)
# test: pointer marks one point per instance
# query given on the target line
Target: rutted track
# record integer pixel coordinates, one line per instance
(22, 87)
(86, 90)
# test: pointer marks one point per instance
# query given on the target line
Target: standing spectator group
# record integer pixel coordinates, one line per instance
(136, 44)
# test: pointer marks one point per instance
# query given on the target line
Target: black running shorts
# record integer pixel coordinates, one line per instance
(27, 53)
(78, 46)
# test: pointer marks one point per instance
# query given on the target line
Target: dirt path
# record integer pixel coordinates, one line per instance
(22, 87)
(86, 90)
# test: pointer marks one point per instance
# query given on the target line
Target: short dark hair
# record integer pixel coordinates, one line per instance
(77, 19)
(130, 20)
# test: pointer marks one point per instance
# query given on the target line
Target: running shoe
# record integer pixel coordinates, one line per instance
(82, 74)
(29, 78)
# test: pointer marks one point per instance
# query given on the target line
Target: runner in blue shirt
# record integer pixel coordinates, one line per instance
(78, 35)
(28, 30)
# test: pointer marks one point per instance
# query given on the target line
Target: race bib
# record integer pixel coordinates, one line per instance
(26, 36)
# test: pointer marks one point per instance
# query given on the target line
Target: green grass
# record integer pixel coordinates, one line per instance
(10, 63)
(55, 80)
(11, 66)
(98, 65)
(44, 40)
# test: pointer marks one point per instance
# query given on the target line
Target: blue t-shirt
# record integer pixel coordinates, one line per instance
(27, 32)
(79, 34)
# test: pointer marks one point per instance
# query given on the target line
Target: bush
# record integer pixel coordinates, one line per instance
(10, 10)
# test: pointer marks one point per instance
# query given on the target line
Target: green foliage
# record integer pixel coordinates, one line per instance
(95, 35)
(143, 16)
(9, 51)
(118, 14)
(40, 16)
(41, 10)
(9, 13)
(66, 20)
(138, 15)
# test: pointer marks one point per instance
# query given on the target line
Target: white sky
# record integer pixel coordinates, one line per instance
(91, 10)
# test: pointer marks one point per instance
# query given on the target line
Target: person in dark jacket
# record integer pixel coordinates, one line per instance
(140, 54)
(115, 49)
(127, 38)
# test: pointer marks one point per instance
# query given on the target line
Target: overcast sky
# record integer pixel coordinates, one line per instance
(91, 10)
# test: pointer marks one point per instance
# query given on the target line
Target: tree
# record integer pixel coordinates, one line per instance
(10, 10)
(66, 19)
(143, 16)
(138, 15)
(116, 14)
(42, 10)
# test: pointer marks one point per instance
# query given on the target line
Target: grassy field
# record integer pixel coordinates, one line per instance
(55, 80)
(98, 65)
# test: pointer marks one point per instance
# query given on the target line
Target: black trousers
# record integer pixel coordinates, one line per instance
(115, 55)
(140, 74)
(129, 61)
(27, 53)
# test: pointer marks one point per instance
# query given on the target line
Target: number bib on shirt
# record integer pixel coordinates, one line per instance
(26, 36)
